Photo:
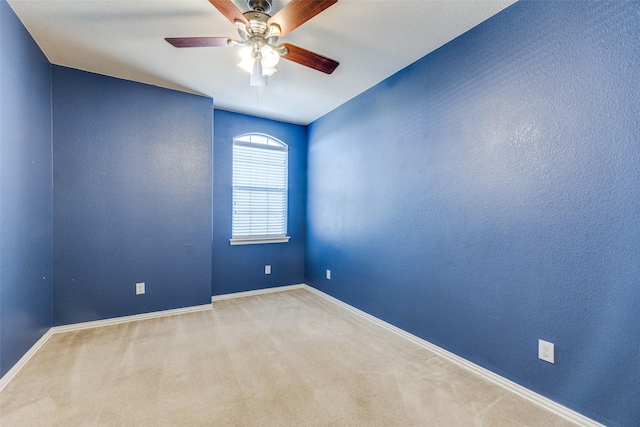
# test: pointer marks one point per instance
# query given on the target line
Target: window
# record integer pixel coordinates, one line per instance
(260, 183)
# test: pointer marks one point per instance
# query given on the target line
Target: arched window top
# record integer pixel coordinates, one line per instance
(260, 140)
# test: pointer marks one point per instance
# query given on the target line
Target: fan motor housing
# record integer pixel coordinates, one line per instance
(257, 22)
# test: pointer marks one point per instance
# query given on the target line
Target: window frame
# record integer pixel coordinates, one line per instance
(270, 144)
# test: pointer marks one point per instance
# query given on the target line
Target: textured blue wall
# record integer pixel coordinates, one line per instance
(132, 197)
(25, 191)
(488, 195)
(241, 268)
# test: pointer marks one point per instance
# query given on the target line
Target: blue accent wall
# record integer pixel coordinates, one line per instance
(132, 197)
(489, 195)
(26, 275)
(241, 268)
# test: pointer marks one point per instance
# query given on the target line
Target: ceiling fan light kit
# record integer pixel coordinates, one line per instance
(259, 33)
(259, 53)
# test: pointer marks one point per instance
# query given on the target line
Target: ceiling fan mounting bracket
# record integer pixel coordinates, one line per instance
(263, 6)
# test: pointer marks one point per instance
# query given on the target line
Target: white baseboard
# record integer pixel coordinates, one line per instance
(257, 292)
(24, 359)
(516, 388)
(87, 325)
(126, 319)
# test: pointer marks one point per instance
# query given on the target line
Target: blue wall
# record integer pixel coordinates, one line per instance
(241, 268)
(25, 191)
(132, 197)
(488, 195)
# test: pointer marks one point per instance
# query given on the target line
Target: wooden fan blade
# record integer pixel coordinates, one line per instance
(297, 12)
(198, 41)
(310, 59)
(229, 10)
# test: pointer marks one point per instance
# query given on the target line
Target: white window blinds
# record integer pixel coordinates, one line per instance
(259, 190)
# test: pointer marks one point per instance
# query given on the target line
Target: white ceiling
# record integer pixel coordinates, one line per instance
(372, 39)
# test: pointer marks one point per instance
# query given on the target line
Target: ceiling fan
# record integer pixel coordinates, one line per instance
(259, 33)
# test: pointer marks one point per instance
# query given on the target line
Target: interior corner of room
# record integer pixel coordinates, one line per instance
(483, 198)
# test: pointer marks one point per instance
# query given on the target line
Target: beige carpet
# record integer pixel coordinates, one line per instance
(283, 359)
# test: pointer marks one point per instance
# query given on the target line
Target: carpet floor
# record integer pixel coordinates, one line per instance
(289, 358)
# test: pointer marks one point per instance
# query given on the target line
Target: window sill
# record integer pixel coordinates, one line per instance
(259, 241)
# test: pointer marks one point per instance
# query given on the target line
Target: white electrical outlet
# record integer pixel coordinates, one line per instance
(328, 274)
(140, 288)
(546, 351)
(267, 269)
